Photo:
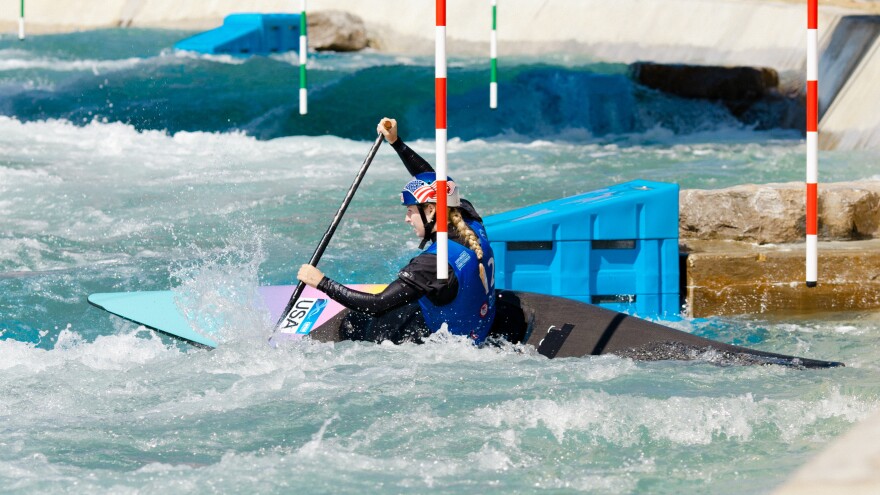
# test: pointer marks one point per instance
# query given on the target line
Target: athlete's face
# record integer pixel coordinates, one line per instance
(413, 218)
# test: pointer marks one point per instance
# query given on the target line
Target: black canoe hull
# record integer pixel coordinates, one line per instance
(558, 327)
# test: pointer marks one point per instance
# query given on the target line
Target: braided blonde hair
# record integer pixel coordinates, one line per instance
(470, 238)
(471, 241)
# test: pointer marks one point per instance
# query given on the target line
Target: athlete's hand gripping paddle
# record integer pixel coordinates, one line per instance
(291, 316)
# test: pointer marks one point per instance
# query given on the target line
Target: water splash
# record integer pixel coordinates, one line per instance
(216, 289)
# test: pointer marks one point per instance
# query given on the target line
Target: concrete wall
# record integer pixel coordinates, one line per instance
(748, 32)
(848, 466)
(850, 40)
(853, 120)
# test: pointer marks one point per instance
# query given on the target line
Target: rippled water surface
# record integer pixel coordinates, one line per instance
(125, 166)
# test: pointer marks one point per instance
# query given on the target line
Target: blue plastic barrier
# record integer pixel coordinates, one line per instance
(616, 247)
(247, 34)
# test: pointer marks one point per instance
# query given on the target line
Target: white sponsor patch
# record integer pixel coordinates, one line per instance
(462, 260)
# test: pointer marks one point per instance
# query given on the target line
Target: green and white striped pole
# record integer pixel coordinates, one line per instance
(303, 52)
(493, 53)
(21, 23)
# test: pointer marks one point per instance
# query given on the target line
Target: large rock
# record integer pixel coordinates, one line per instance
(775, 213)
(849, 211)
(751, 94)
(706, 81)
(334, 30)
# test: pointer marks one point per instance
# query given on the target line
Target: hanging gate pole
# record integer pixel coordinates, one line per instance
(21, 23)
(493, 54)
(812, 142)
(303, 53)
(441, 135)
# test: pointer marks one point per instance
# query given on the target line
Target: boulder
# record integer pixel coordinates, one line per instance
(334, 30)
(775, 213)
(706, 81)
(751, 94)
(849, 211)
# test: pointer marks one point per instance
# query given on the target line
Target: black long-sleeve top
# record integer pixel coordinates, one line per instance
(419, 277)
(413, 162)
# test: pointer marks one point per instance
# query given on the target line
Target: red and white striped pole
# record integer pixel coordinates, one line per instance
(440, 121)
(812, 141)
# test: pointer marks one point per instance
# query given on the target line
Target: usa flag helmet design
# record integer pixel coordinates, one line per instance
(423, 189)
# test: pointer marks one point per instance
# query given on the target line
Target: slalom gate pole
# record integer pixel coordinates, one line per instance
(21, 23)
(812, 142)
(441, 134)
(303, 54)
(493, 54)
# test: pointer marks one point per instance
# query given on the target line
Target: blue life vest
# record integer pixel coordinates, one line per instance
(472, 311)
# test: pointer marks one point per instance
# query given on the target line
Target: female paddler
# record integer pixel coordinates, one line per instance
(417, 303)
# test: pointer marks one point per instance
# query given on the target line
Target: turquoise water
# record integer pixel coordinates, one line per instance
(125, 166)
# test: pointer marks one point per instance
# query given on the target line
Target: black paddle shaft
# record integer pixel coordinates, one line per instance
(319, 251)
